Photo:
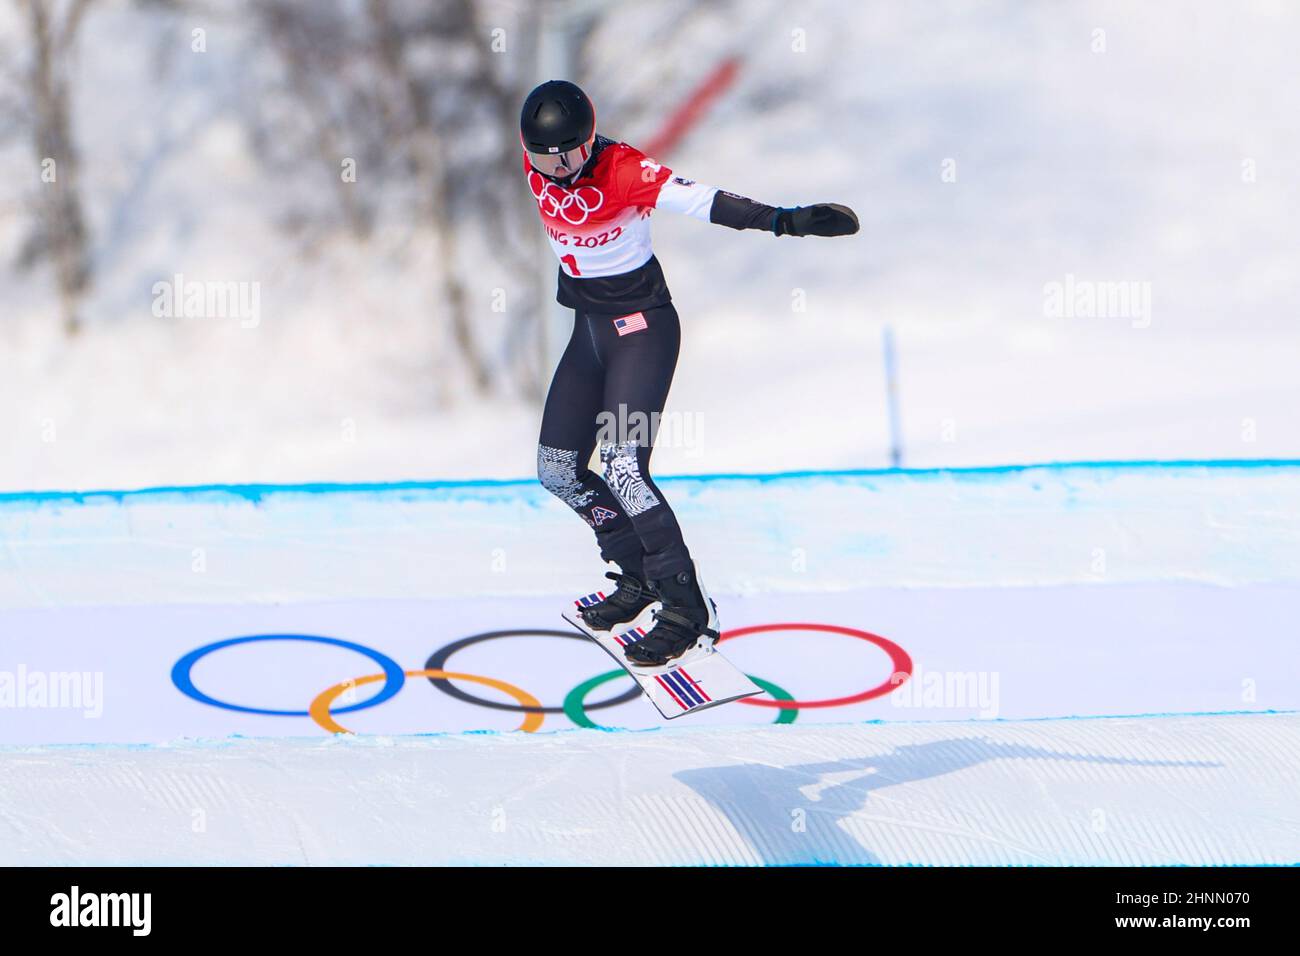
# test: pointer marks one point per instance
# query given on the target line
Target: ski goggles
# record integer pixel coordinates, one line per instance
(560, 164)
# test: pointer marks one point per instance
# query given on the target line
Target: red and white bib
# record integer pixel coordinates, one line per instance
(600, 226)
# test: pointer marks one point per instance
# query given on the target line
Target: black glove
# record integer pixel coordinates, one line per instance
(823, 219)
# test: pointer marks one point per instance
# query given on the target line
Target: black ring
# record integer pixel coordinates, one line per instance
(438, 662)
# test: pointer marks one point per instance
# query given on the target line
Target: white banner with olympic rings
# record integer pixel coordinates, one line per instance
(152, 674)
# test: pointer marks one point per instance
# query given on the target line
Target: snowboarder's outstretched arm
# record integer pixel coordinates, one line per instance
(657, 186)
(822, 219)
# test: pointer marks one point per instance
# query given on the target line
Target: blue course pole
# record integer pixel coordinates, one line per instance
(891, 399)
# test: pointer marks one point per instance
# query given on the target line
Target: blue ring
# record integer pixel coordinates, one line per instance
(394, 676)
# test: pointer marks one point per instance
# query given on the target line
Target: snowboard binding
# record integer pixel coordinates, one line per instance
(628, 600)
(672, 636)
(687, 620)
(672, 657)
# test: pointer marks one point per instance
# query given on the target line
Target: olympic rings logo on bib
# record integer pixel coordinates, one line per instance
(574, 206)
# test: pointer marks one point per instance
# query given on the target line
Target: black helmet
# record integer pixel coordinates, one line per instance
(558, 127)
(556, 118)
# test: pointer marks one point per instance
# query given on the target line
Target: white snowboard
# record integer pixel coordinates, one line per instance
(701, 678)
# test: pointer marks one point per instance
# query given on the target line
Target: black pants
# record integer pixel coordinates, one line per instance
(609, 388)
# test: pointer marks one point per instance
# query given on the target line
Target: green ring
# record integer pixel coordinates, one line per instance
(575, 703)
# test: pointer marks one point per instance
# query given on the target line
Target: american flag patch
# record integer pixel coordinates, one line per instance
(628, 324)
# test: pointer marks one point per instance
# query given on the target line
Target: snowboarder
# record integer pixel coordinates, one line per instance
(595, 197)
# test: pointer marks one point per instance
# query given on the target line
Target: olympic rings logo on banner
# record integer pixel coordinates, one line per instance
(322, 711)
(561, 201)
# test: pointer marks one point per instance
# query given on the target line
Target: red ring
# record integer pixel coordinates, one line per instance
(902, 662)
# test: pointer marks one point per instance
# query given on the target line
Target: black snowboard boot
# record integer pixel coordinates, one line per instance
(631, 596)
(688, 613)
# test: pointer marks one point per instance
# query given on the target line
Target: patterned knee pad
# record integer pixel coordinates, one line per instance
(557, 470)
(622, 472)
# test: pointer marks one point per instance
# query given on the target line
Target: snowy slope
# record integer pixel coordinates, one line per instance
(1218, 523)
(1200, 790)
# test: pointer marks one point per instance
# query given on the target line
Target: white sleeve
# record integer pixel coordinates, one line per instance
(686, 196)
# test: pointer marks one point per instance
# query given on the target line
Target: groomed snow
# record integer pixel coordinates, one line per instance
(1153, 791)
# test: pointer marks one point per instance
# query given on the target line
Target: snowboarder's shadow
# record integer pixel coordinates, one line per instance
(790, 815)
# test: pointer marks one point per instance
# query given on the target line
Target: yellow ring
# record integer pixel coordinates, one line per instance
(320, 707)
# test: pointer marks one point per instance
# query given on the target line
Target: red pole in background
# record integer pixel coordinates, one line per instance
(693, 108)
